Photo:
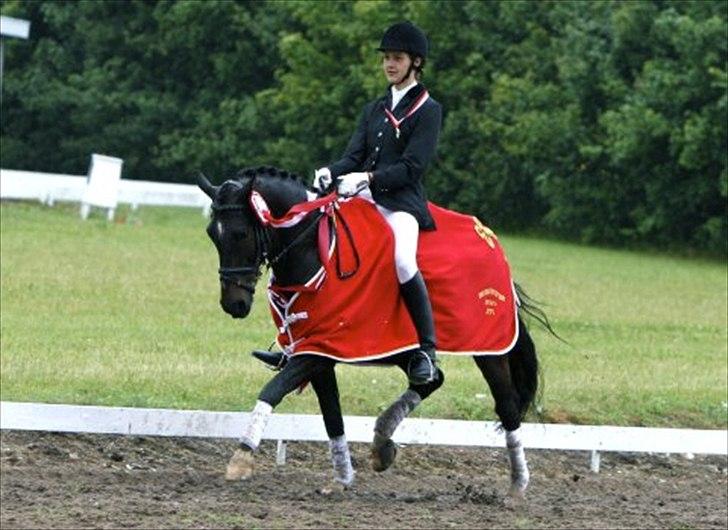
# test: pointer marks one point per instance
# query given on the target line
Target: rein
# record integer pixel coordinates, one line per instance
(262, 239)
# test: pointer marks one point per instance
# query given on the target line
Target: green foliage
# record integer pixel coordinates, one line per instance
(598, 121)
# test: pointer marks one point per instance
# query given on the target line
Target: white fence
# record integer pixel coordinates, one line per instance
(305, 427)
(51, 187)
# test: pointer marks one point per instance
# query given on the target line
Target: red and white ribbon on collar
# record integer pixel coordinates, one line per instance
(293, 216)
(413, 108)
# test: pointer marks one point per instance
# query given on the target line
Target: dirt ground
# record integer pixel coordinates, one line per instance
(93, 481)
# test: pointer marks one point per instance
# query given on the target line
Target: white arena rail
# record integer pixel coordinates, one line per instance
(307, 427)
(44, 187)
(51, 187)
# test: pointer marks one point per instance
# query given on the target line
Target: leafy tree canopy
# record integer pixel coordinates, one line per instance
(598, 121)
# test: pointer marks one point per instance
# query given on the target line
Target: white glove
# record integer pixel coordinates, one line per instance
(322, 178)
(352, 183)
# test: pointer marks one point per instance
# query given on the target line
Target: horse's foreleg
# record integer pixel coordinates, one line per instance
(497, 373)
(327, 392)
(240, 466)
(384, 451)
(296, 372)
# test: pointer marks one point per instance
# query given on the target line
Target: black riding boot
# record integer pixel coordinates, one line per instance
(273, 359)
(421, 367)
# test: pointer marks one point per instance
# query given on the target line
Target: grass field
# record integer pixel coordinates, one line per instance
(127, 314)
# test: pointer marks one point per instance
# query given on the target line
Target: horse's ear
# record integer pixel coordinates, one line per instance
(206, 186)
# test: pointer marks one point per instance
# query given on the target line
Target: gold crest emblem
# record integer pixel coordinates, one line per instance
(484, 232)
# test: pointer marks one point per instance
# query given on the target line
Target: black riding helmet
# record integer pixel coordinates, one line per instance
(408, 38)
(404, 37)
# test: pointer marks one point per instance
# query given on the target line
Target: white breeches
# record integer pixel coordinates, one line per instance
(406, 233)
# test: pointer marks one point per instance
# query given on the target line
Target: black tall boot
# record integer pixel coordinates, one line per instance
(421, 368)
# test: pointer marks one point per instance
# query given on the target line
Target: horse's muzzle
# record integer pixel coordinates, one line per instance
(236, 300)
(236, 308)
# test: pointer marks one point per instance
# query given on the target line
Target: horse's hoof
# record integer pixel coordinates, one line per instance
(335, 488)
(517, 492)
(383, 456)
(240, 466)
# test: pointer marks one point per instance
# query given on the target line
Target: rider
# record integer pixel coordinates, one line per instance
(385, 161)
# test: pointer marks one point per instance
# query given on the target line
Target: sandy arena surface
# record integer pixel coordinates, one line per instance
(95, 481)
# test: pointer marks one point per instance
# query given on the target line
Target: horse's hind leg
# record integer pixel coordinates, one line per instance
(496, 371)
(327, 392)
(384, 451)
(298, 370)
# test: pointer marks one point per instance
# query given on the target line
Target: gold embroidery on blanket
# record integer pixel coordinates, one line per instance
(487, 296)
(484, 232)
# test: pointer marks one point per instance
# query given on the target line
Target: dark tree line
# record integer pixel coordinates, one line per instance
(599, 121)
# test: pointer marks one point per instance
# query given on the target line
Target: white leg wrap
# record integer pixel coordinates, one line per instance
(519, 467)
(389, 420)
(253, 431)
(341, 460)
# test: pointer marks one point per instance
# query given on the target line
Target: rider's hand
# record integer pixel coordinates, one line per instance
(322, 179)
(352, 183)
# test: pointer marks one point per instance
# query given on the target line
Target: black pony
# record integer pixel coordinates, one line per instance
(244, 244)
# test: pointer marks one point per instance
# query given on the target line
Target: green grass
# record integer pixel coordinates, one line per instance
(127, 314)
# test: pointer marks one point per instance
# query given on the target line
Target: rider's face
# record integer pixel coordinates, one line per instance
(395, 66)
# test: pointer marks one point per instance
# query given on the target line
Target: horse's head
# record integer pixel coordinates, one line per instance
(234, 231)
(242, 242)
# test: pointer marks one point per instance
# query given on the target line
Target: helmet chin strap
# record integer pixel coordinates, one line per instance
(409, 71)
(406, 75)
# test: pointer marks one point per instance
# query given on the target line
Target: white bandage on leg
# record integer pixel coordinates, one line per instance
(253, 431)
(513, 438)
(519, 467)
(406, 233)
(341, 460)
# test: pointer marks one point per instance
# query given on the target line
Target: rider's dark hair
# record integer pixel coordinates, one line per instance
(418, 69)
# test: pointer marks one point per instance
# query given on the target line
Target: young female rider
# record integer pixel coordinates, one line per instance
(386, 158)
(385, 161)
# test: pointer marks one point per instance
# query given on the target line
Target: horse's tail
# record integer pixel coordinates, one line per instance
(523, 362)
(524, 367)
(529, 306)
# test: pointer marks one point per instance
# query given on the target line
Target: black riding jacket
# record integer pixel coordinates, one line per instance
(397, 164)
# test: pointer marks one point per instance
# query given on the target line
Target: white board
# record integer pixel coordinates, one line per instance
(102, 187)
(308, 427)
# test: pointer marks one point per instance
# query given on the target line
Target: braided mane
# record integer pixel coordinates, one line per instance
(266, 172)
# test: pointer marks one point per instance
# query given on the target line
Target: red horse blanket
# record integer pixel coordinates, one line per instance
(363, 317)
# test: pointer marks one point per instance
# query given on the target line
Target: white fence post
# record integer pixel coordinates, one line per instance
(281, 453)
(595, 461)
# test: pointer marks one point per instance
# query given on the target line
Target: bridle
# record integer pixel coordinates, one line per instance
(236, 275)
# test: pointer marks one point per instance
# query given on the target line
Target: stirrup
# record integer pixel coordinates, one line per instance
(421, 369)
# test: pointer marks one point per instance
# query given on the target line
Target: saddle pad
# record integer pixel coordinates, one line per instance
(363, 317)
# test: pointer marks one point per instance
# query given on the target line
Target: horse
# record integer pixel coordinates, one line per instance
(245, 242)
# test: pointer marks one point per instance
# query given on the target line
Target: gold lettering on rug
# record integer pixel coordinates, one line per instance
(490, 298)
